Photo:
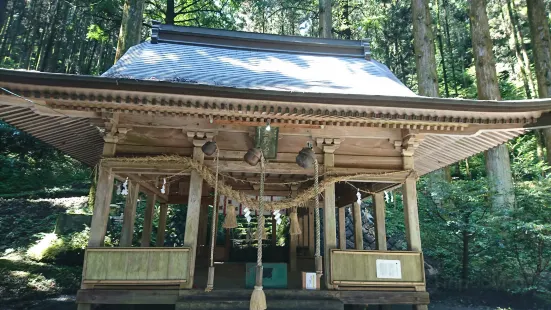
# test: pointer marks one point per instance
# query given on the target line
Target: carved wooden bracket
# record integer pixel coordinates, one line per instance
(328, 145)
(199, 137)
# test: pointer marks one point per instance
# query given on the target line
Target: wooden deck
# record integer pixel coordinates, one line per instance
(173, 296)
(229, 284)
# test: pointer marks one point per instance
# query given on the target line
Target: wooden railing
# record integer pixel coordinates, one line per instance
(136, 266)
(368, 269)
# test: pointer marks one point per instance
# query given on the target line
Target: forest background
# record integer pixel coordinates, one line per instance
(473, 241)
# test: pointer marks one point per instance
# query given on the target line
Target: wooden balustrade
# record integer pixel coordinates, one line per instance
(136, 266)
(357, 268)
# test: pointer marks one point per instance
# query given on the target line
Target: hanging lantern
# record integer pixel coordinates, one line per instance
(305, 158)
(209, 148)
(252, 157)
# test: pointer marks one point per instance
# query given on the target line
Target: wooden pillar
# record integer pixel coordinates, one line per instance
(274, 231)
(163, 210)
(329, 147)
(148, 220)
(104, 193)
(380, 228)
(411, 214)
(129, 216)
(293, 239)
(358, 227)
(342, 228)
(203, 228)
(311, 233)
(194, 210)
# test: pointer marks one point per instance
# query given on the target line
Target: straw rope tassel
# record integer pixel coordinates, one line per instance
(258, 298)
(317, 255)
(295, 226)
(210, 279)
(231, 220)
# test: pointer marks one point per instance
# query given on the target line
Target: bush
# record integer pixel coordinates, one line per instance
(67, 250)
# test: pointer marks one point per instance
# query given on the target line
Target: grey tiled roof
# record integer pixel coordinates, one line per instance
(249, 68)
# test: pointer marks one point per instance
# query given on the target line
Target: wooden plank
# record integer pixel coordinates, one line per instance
(342, 228)
(170, 296)
(193, 212)
(95, 263)
(158, 265)
(178, 264)
(160, 241)
(104, 192)
(358, 226)
(116, 262)
(157, 296)
(129, 215)
(137, 265)
(358, 268)
(148, 220)
(380, 221)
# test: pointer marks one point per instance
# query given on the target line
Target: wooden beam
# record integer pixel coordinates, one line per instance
(129, 216)
(358, 226)
(240, 166)
(147, 186)
(342, 228)
(148, 220)
(194, 211)
(163, 210)
(380, 225)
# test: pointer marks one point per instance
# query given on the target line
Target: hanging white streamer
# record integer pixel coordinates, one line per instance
(163, 189)
(124, 190)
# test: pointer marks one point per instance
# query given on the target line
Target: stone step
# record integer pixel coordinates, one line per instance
(213, 304)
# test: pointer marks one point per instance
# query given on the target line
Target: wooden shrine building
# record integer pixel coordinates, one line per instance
(147, 118)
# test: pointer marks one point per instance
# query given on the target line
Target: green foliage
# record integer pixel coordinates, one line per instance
(27, 165)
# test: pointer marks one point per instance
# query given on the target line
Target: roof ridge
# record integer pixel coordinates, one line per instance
(161, 33)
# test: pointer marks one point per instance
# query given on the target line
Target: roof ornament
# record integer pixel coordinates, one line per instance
(366, 43)
(155, 27)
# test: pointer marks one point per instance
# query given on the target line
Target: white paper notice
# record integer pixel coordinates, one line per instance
(389, 269)
(311, 281)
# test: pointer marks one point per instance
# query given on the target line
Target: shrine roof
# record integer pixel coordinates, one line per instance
(258, 61)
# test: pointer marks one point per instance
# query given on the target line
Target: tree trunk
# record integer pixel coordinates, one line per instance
(170, 14)
(441, 50)
(326, 19)
(3, 5)
(450, 47)
(539, 33)
(524, 53)
(13, 31)
(516, 46)
(52, 36)
(465, 259)
(498, 165)
(425, 59)
(131, 26)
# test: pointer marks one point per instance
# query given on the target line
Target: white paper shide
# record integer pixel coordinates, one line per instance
(389, 269)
